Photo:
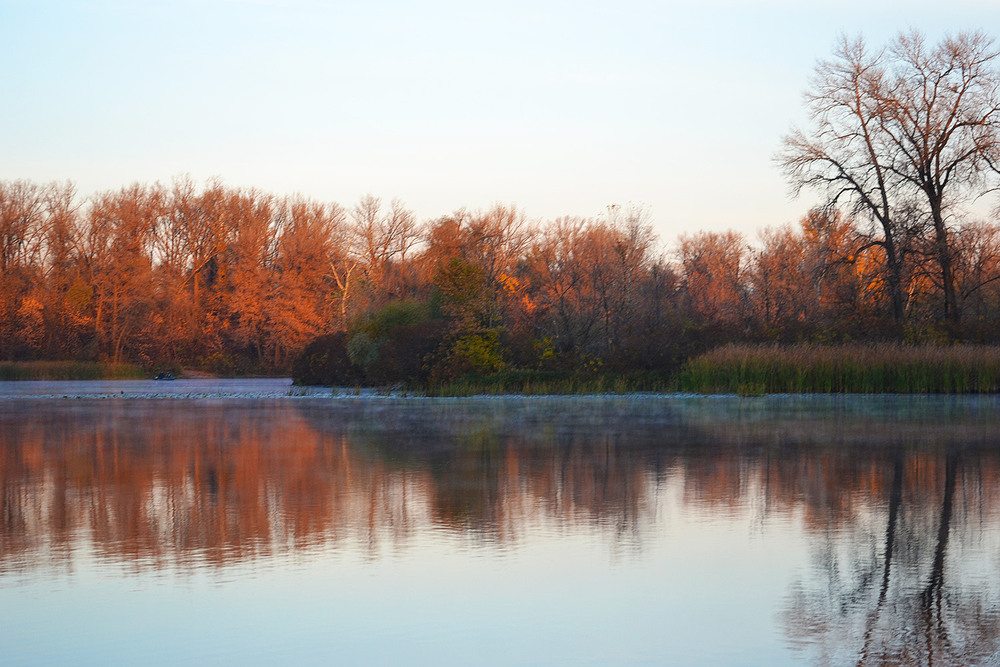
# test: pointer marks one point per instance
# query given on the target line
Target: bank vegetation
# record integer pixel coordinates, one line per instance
(231, 280)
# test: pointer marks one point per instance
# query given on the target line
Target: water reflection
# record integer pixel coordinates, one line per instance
(898, 500)
(911, 576)
(178, 482)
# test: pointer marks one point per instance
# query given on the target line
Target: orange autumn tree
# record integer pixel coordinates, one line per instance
(237, 280)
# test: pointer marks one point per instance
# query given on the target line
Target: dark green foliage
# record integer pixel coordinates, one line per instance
(465, 296)
(324, 361)
(401, 336)
(397, 317)
(477, 353)
(391, 346)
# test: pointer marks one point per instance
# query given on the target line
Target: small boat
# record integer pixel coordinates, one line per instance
(164, 376)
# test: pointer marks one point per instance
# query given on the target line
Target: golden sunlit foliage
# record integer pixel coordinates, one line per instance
(236, 281)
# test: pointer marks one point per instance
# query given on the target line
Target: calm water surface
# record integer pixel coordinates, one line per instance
(243, 523)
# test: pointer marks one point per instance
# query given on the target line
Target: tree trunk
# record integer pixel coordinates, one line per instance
(894, 274)
(943, 252)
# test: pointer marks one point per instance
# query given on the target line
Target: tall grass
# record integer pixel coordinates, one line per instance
(866, 369)
(68, 370)
(543, 383)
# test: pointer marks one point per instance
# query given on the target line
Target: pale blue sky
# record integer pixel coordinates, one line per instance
(558, 107)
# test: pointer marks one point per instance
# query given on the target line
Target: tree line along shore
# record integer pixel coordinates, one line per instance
(747, 370)
(889, 267)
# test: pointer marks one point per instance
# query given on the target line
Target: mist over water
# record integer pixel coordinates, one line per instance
(242, 524)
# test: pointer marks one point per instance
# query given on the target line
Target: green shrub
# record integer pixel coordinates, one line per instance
(324, 361)
(390, 346)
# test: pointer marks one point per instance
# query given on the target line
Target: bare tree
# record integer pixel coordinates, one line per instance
(618, 254)
(903, 136)
(977, 272)
(940, 113)
(843, 155)
(714, 268)
(382, 236)
(560, 276)
(781, 292)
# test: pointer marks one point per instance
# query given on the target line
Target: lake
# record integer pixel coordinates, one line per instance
(249, 522)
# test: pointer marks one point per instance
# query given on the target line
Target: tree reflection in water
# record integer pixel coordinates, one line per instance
(179, 483)
(911, 579)
(901, 503)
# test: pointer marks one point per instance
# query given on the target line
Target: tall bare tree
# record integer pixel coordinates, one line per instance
(843, 155)
(904, 136)
(940, 113)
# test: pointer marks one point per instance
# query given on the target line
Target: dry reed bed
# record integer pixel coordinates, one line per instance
(867, 369)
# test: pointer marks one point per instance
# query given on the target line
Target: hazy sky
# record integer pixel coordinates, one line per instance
(559, 107)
